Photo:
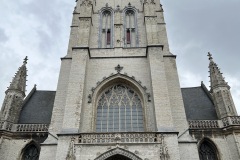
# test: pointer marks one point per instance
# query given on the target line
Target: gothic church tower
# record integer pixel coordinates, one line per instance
(118, 85)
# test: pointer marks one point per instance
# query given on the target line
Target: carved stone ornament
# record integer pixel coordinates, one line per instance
(86, 3)
(118, 8)
(118, 68)
(163, 148)
(118, 151)
(71, 150)
(149, 1)
(89, 98)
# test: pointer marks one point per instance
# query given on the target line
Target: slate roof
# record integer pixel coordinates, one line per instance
(37, 108)
(198, 104)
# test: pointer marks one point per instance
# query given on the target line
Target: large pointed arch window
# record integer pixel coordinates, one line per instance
(106, 29)
(31, 152)
(130, 28)
(119, 109)
(207, 151)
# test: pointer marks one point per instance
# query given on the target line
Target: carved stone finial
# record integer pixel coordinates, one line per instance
(210, 56)
(163, 149)
(129, 4)
(118, 8)
(25, 60)
(107, 5)
(71, 154)
(19, 80)
(89, 98)
(118, 68)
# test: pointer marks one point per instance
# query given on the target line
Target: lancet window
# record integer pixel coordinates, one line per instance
(119, 109)
(31, 153)
(106, 29)
(130, 28)
(207, 151)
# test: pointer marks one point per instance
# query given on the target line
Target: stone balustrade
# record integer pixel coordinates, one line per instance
(195, 124)
(225, 122)
(32, 128)
(122, 137)
(94, 138)
(8, 126)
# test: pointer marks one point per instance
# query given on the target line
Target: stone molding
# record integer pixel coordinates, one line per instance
(119, 151)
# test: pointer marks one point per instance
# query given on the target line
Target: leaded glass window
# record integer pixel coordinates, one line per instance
(119, 109)
(31, 153)
(207, 151)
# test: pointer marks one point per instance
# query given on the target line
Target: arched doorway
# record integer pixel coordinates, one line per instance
(118, 157)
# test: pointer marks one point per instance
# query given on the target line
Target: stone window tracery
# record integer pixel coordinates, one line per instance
(31, 153)
(119, 109)
(207, 151)
(106, 29)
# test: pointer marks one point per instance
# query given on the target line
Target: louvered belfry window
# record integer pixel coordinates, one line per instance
(207, 151)
(119, 109)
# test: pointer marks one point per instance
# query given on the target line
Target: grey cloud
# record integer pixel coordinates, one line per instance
(3, 36)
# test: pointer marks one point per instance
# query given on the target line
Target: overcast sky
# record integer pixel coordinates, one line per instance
(40, 30)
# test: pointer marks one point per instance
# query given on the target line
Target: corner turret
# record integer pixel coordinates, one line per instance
(220, 91)
(15, 95)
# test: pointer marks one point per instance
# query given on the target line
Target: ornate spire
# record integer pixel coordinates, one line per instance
(216, 77)
(19, 80)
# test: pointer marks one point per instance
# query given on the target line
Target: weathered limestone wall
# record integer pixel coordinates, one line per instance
(48, 152)
(159, 88)
(60, 98)
(11, 149)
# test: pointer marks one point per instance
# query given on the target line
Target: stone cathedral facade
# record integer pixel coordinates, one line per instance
(118, 97)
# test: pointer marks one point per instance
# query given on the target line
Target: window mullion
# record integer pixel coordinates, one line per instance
(106, 30)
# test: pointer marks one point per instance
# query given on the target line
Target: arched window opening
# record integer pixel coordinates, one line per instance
(118, 157)
(108, 37)
(30, 153)
(207, 151)
(130, 29)
(106, 27)
(119, 109)
(128, 37)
